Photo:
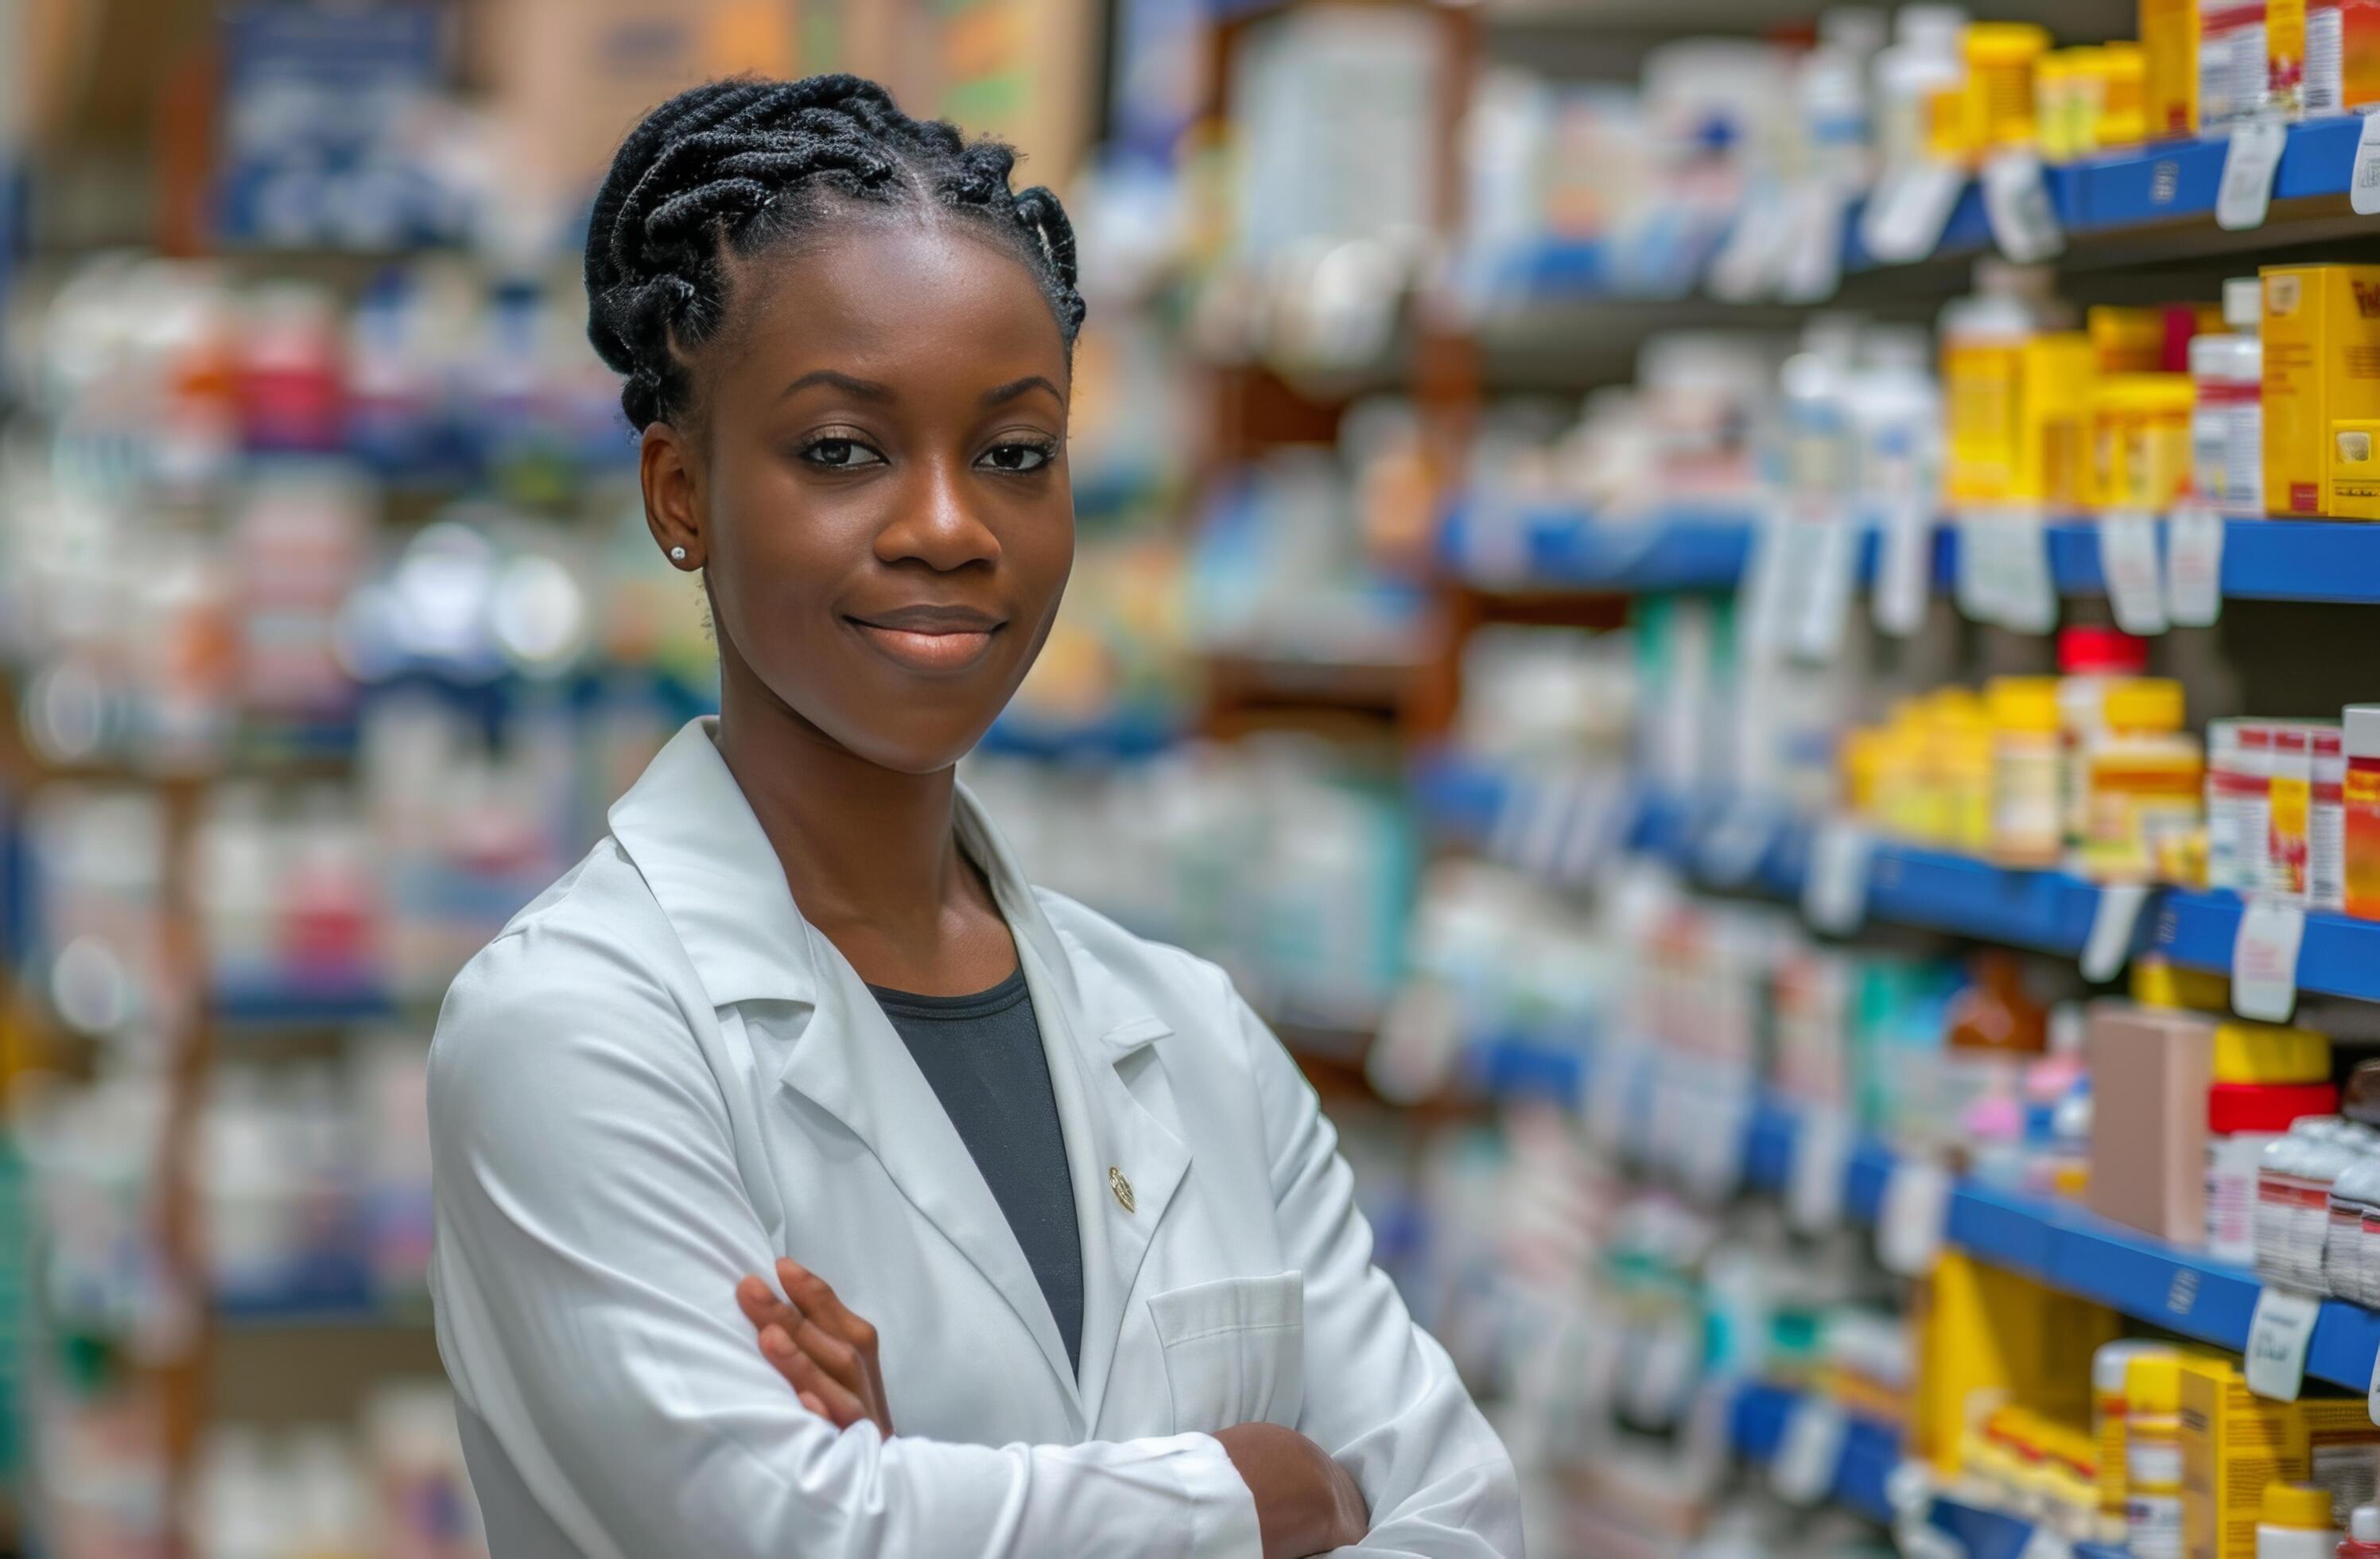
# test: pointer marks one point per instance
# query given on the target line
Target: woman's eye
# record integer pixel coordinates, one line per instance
(1018, 457)
(838, 454)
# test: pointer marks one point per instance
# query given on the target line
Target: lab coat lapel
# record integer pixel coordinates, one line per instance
(692, 836)
(851, 1061)
(1119, 1149)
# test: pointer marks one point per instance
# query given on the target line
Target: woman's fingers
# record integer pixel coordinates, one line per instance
(761, 1306)
(835, 1401)
(837, 1358)
(814, 1296)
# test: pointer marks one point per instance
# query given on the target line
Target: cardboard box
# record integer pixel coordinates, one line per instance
(2322, 365)
(2352, 485)
(2151, 1069)
(2235, 1444)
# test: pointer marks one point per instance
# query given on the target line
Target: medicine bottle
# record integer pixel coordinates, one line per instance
(2026, 822)
(2089, 659)
(2227, 416)
(2296, 1524)
(2153, 1457)
(2144, 781)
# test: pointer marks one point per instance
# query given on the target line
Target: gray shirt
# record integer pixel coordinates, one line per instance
(982, 1053)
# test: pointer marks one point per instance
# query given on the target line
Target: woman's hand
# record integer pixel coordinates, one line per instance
(1305, 1501)
(825, 1353)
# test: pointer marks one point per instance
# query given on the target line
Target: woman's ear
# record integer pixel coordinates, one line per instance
(673, 502)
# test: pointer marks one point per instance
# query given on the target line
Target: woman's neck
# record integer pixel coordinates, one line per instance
(872, 855)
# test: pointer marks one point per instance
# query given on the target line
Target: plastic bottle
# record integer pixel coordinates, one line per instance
(2226, 419)
(2296, 1524)
(2354, 1201)
(2362, 1540)
(2283, 1195)
(2111, 1366)
(2026, 771)
(2141, 442)
(1922, 60)
(2334, 1152)
(2244, 1123)
(2001, 57)
(1982, 353)
(1994, 1013)
(2153, 1457)
(2088, 660)
(2144, 781)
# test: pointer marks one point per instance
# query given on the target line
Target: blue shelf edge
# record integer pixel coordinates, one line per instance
(1995, 1534)
(1706, 550)
(1931, 890)
(1871, 1450)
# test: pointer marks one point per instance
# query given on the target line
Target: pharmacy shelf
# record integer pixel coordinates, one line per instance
(2173, 180)
(1993, 1534)
(1870, 1453)
(2338, 956)
(2054, 1242)
(271, 1005)
(2157, 187)
(1932, 890)
(1121, 736)
(1553, 546)
(1861, 1478)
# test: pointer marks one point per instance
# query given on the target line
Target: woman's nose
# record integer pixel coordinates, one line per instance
(938, 523)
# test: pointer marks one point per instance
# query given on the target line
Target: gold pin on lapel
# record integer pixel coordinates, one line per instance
(1120, 1186)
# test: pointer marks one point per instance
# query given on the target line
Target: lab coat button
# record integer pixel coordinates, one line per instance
(1120, 1186)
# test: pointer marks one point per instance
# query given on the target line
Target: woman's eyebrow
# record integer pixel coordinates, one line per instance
(1016, 387)
(864, 389)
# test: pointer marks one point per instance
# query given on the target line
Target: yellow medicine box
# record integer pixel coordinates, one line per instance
(2350, 488)
(2168, 68)
(2321, 366)
(2265, 1053)
(2235, 1444)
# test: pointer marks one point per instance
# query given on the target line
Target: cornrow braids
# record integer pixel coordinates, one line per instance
(734, 166)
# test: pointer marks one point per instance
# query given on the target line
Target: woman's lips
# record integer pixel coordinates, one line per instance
(937, 650)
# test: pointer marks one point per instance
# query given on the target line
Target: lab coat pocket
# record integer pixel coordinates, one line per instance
(1234, 1350)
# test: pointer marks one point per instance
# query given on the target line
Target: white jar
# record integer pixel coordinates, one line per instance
(2278, 1186)
(2354, 1197)
(2231, 1164)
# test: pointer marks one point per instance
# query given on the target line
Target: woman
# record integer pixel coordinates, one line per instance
(799, 1014)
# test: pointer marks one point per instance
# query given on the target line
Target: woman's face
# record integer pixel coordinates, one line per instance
(877, 486)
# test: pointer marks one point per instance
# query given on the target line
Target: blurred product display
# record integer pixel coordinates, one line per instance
(1741, 622)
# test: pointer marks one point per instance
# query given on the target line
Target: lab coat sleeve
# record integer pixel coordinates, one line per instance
(591, 1228)
(1382, 1395)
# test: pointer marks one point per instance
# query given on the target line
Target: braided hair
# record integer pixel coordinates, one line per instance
(734, 166)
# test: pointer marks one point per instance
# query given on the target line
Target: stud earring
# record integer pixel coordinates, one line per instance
(677, 554)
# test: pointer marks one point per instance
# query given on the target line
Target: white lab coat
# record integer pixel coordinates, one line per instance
(659, 1077)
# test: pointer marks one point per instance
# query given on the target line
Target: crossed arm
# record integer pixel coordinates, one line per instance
(592, 1221)
(1307, 1503)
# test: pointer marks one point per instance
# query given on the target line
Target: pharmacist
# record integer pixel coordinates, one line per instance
(807, 1183)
